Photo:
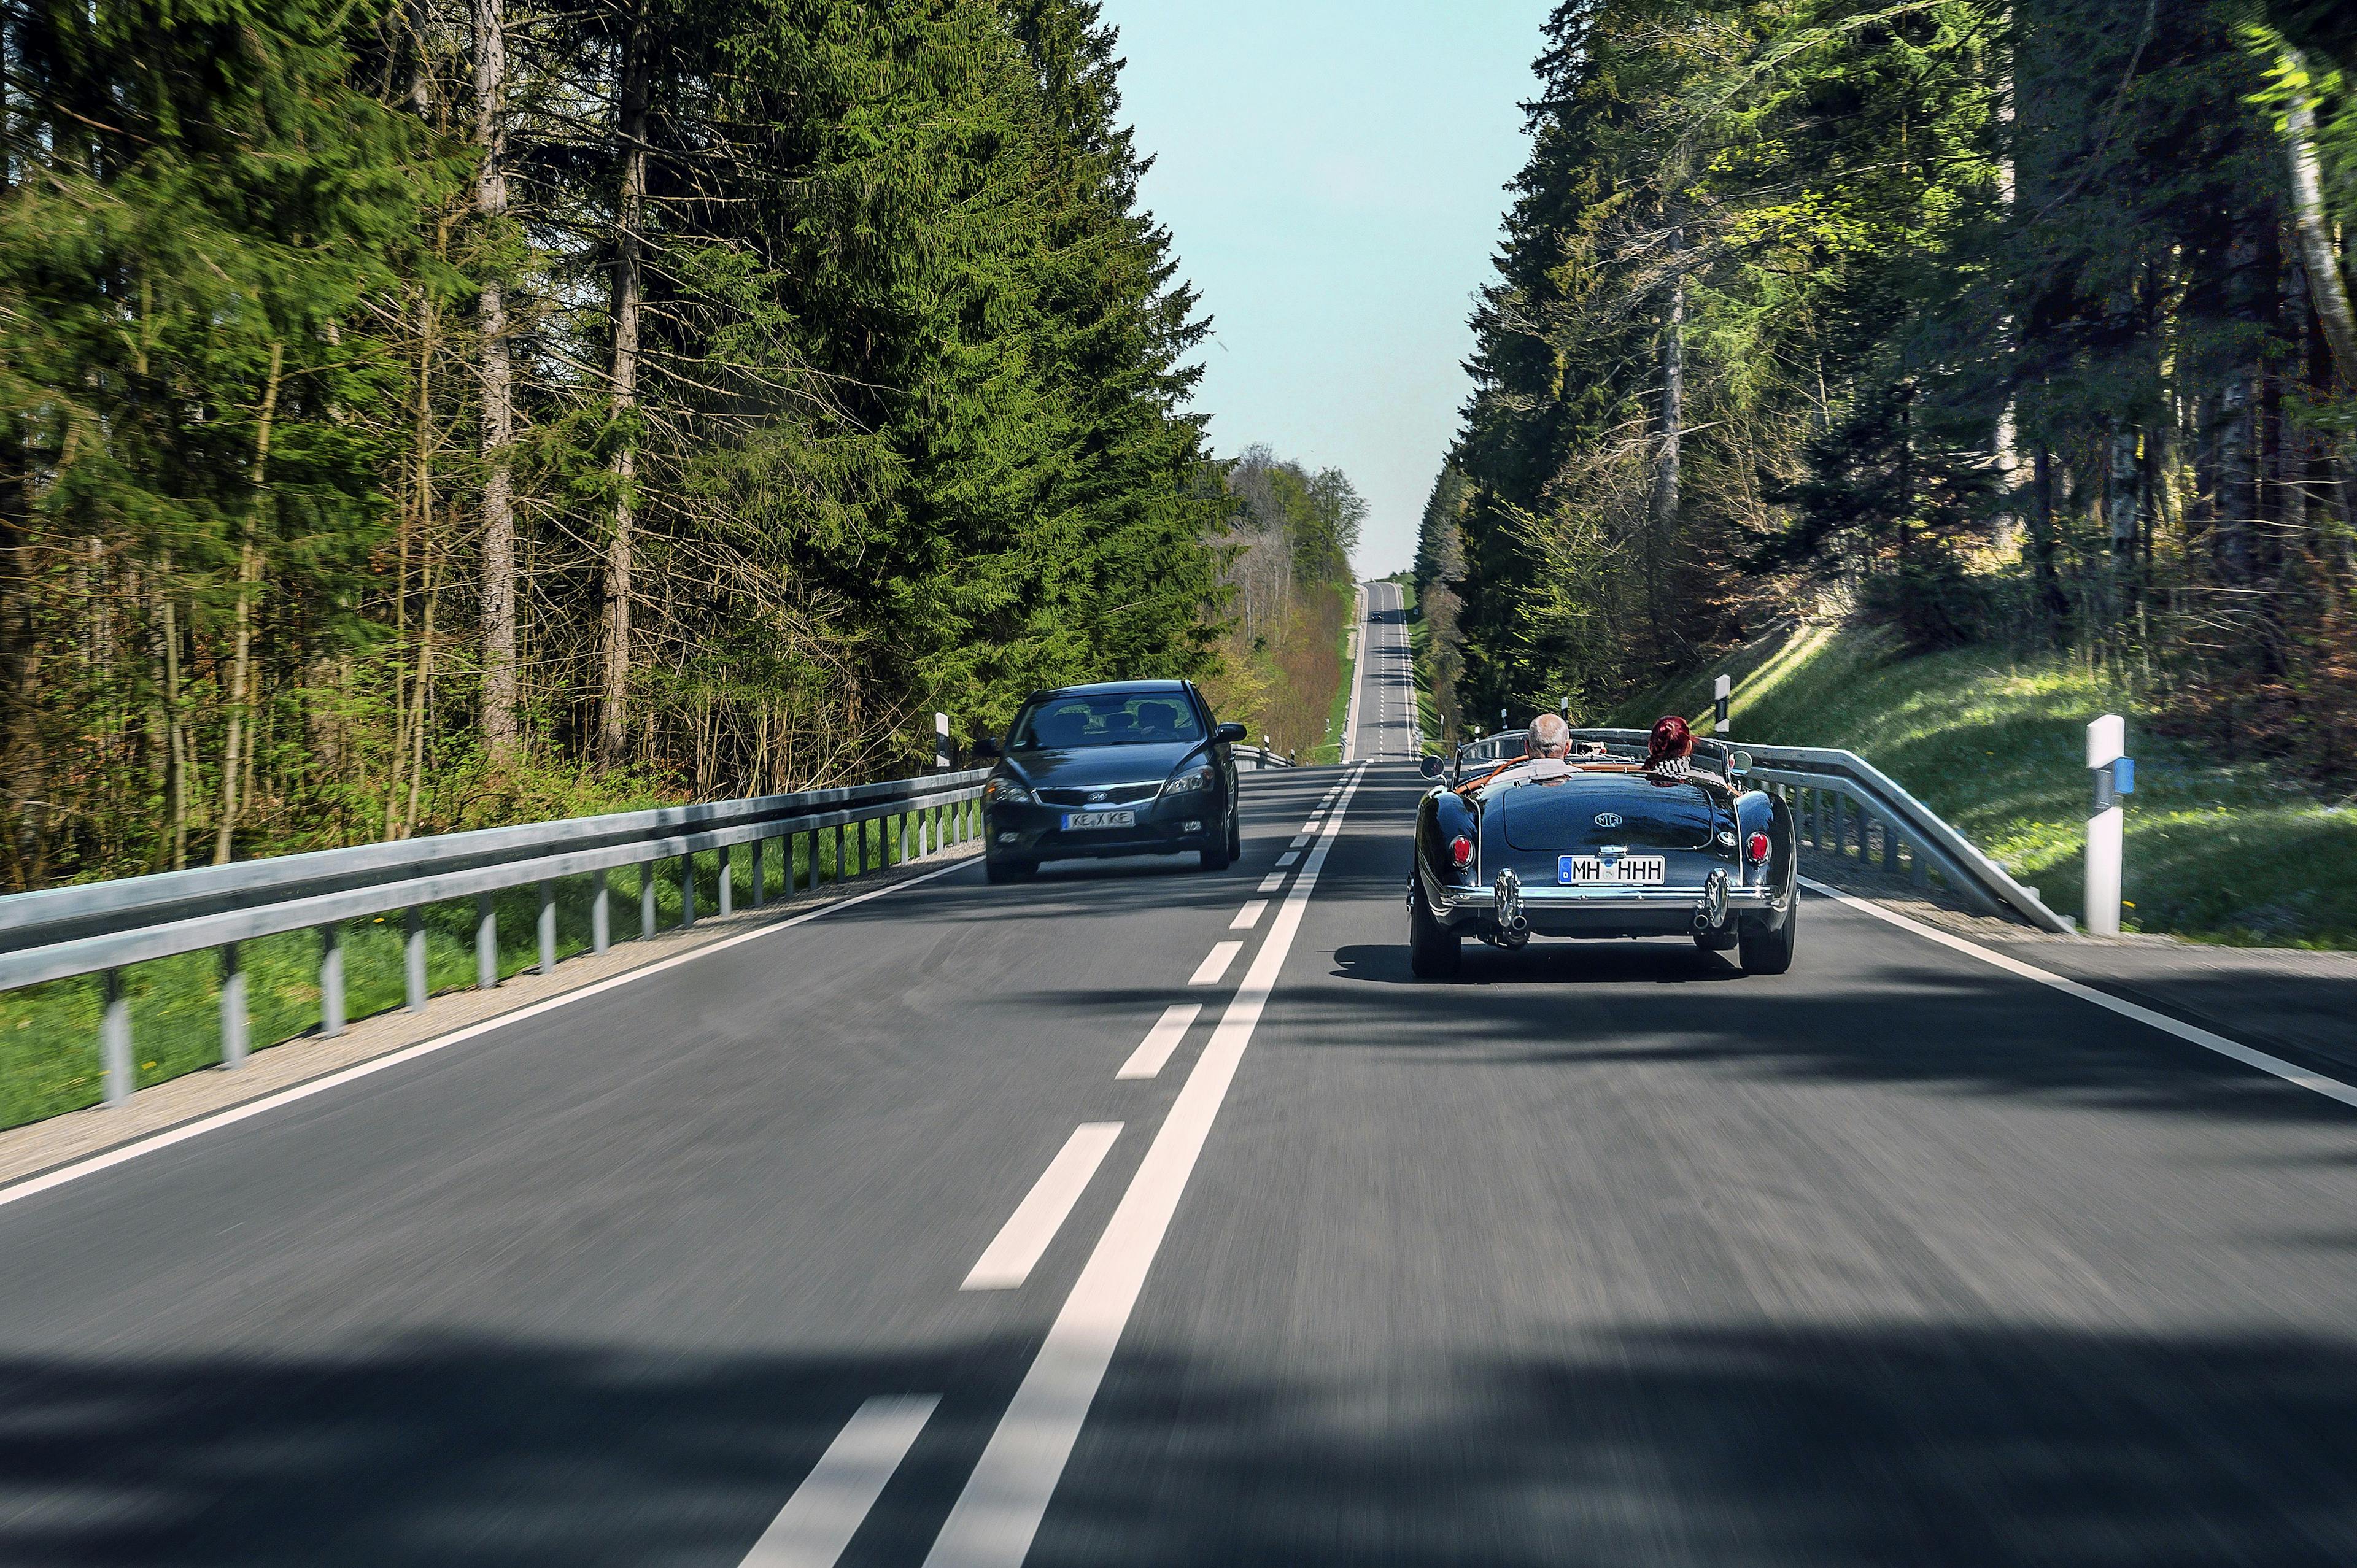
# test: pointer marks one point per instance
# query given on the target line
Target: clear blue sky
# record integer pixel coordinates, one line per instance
(1333, 172)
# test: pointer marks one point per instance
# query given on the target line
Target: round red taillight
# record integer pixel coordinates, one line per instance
(1759, 846)
(1460, 851)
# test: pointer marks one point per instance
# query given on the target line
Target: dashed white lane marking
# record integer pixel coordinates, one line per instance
(1007, 1262)
(1249, 915)
(1271, 882)
(998, 1513)
(2316, 1082)
(1287, 858)
(269, 1102)
(1298, 840)
(1161, 1040)
(1215, 964)
(819, 1520)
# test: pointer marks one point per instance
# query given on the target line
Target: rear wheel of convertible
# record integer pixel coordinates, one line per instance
(1434, 951)
(1008, 867)
(1771, 952)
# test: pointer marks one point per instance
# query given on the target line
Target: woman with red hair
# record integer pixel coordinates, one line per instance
(1666, 751)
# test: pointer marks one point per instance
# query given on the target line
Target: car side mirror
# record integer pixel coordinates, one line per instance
(986, 747)
(1430, 766)
(1738, 763)
(1228, 733)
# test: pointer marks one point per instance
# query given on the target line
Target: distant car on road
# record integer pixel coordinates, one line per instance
(1601, 845)
(1122, 768)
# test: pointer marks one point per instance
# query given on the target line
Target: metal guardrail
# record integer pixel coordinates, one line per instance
(1259, 756)
(98, 927)
(1822, 783)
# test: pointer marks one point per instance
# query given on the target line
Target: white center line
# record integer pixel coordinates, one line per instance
(1249, 915)
(1004, 1499)
(1007, 1262)
(1161, 1040)
(1287, 858)
(1271, 882)
(1215, 964)
(819, 1520)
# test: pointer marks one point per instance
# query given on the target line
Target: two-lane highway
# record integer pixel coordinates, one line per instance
(1386, 696)
(1145, 1216)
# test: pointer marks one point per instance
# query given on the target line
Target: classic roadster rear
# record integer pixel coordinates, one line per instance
(1599, 845)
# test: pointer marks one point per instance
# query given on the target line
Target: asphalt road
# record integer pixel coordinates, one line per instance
(1386, 684)
(1608, 1255)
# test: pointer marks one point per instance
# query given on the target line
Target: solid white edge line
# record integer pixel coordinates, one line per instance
(2193, 1033)
(1012, 1254)
(1152, 1052)
(1215, 964)
(826, 1510)
(1249, 915)
(33, 1186)
(998, 1513)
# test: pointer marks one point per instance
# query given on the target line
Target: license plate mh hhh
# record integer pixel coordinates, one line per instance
(1628, 870)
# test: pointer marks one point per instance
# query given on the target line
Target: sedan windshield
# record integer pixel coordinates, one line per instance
(1110, 718)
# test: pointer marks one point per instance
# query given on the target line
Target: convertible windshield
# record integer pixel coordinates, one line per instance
(1113, 718)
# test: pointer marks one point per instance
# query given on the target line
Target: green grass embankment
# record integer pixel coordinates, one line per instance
(2221, 852)
(1337, 712)
(1419, 652)
(49, 1033)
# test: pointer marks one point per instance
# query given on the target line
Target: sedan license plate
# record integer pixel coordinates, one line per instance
(1084, 820)
(1629, 869)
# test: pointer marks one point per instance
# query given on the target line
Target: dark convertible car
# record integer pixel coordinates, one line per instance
(1600, 844)
(1124, 768)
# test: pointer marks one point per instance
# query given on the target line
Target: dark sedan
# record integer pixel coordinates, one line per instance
(1123, 767)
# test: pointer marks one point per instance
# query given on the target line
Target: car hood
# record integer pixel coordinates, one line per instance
(1559, 814)
(1085, 766)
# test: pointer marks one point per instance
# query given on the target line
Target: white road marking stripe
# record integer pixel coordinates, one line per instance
(1249, 915)
(1271, 882)
(1215, 964)
(1008, 1262)
(1000, 1511)
(1298, 840)
(2316, 1082)
(825, 1511)
(1287, 858)
(32, 1185)
(1161, 1040)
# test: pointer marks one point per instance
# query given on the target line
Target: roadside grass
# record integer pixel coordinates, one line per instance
(49, 1033)
(1338, 708)
(2218, 851)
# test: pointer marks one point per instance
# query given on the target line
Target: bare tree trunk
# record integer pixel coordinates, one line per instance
(176, 786)
(499, 587)
(1665, 510)
(249, 564)
(2325, 282)
(630, 213)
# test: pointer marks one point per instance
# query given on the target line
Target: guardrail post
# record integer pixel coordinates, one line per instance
(331, 980)
(687, 890)
(1841, 828)
(761, 889)
(1919, 866)
(601, 917)
(904, 837)
(727, 896)
(234, 1026)
(547, 926)
(858, 845)
(648, 911)
(1890, 846)
(115, 1042)
(413, 958)
(487, 942)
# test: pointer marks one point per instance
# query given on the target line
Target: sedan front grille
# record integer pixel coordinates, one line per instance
(1105, 795)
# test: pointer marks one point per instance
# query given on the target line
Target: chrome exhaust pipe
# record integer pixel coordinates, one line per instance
(1710, 910)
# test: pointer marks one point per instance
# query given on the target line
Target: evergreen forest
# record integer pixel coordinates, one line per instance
(2012, 322)
(418, 414)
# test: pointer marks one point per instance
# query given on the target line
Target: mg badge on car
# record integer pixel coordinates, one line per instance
(1608, 819)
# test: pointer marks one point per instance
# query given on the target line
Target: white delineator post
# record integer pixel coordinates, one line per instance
(2106, 744)
(1722, 690)
(941, 742)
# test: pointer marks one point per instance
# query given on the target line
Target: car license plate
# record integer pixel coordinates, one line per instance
(1629, 869)
(1077, 820)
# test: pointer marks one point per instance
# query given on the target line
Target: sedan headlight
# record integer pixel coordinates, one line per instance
(1187, 783)
(1007, 793)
